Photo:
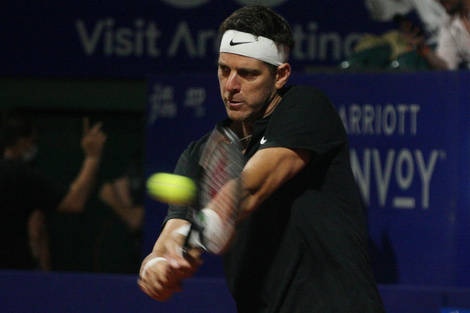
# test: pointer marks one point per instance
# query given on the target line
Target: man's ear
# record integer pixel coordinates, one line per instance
(282, 75)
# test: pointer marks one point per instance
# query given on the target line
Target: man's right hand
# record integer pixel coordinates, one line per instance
(93, 139)
(163, 271)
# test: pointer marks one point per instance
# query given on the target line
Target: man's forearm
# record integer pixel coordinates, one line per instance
(434, 61)
(80, 189)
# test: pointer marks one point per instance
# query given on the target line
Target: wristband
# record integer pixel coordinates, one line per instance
(208, 232)
(215, 234)
(151, 263)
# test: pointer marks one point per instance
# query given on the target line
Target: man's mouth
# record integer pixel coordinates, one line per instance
(234, 103)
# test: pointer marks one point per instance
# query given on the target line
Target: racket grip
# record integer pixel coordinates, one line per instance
(208, 232)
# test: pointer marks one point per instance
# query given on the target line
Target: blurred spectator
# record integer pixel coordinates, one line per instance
(39, 240)
(125, 196)
(392, 50)
(429, 12)
(118, 245)
(453, 47)
(23, 192)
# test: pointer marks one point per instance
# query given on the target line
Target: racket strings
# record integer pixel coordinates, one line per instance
(218, 173)
(220, 184)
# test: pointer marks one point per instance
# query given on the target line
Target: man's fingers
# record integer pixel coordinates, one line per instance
(159, 290)
(91, 130)
(152, 292)
(158, 279)
(97, 127)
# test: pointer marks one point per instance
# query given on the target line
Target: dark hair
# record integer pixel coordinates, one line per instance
(13, 129)
(259, 20)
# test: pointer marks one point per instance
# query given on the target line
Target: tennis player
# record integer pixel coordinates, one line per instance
(301, 242)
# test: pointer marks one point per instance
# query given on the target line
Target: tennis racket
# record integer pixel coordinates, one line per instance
(220, 185)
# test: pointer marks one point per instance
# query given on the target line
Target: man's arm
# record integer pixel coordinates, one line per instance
(117, 195)
(268, 170)
(415, 39)
(164, 268)
(434, 61)
(162, 271)
(92, 143)
(264, 173)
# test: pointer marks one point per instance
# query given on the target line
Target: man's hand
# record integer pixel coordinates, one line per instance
(163, 271)
(93, 139)
(157, 279)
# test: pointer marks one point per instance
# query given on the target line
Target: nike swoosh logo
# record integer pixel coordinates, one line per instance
(263, 141)
(239, 42)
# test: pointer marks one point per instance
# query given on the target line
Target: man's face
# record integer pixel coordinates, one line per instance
(451, 6)
(247, 87)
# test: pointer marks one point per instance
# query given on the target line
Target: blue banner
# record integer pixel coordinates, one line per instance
(138, 38)
(78, 292)
(409, 143)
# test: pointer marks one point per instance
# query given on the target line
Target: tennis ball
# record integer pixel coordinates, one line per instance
(171, 188)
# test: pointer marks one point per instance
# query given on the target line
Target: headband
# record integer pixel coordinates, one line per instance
(257, 47)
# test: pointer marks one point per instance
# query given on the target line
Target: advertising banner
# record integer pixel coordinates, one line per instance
(135, 38)
(409, 143)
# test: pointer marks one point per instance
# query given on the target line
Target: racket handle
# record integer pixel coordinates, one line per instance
(193, 239)
(208, 232)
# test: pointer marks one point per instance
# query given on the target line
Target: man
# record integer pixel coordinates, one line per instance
(453, 47)
(23, 191)
(429, 12)
(301, 241)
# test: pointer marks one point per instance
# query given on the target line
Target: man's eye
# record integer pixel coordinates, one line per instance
(247, 75)
(225, 70)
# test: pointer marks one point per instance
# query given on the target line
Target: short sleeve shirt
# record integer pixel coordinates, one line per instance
(304, 249)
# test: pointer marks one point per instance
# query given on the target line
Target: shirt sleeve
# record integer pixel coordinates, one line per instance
(385, 10)
(305, 120)
(446, 47)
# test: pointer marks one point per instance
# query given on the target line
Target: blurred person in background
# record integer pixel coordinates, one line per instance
(391, 49)
(453, 45)
(118, 246)
(429, 13)
(125, 195)
(25, 195)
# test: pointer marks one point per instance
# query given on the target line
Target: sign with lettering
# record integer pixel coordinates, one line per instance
(139, 38)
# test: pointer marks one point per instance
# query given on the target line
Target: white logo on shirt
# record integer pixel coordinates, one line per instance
(263, 141)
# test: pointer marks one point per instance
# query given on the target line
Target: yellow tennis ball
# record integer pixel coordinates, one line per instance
(171, 188)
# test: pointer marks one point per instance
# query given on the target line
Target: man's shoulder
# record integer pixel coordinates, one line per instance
(300, 94)
(299, 90)
(197, 146)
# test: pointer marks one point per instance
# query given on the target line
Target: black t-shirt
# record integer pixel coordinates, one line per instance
(305, 248)
(21, 192)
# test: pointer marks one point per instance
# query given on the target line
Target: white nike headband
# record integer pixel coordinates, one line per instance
(257, 47)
